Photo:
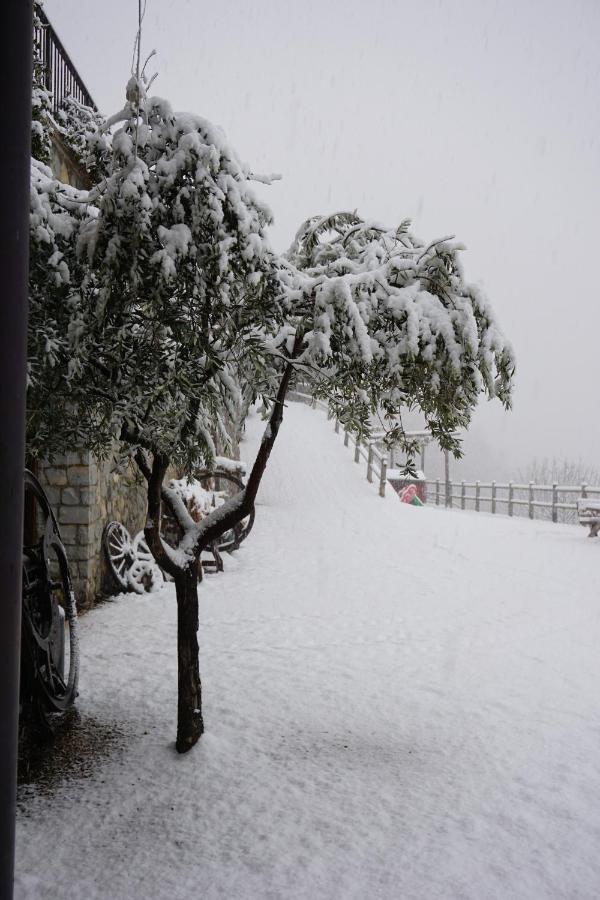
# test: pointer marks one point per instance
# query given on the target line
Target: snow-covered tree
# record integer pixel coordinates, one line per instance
(41, 103)
(54, 424)
(176, 309)
(161, 281)
(390, 323)
(83, 130)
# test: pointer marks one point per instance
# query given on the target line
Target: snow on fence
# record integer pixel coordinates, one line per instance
(368, 452)
(554, 502)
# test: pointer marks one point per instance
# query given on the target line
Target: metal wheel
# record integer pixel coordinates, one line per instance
(119, 551)
(50, 658)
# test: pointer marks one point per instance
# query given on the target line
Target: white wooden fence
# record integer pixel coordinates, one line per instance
(376, 461)
(555, 502)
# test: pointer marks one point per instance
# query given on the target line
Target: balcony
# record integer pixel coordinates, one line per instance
(61, 76)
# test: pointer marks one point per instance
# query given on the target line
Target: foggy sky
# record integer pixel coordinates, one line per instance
(473, 118)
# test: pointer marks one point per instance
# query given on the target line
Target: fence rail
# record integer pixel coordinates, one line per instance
(376, 461)
(61, 77)
(555, 502)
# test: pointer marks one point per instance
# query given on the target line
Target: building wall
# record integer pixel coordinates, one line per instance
(86, 494)
(64, 165)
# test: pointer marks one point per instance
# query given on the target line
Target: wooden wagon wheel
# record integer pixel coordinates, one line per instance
(50, 654)
(144, 576)
(223, 486)
(119, 551)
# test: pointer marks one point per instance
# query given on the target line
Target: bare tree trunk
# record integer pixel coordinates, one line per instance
(189, 689)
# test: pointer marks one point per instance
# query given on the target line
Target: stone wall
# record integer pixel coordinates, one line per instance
(85, 495)
(65, 166)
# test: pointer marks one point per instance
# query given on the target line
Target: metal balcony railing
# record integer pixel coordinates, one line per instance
(61, 76)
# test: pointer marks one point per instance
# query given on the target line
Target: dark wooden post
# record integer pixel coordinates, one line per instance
(15, 101)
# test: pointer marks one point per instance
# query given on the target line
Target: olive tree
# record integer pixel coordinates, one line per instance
(168, 308)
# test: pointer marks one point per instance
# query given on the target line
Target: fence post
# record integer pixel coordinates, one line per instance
(337, 426)
(584, 490)
(493, 497)
(531, 510)
(357, 451)
(437, 491)
(449, 492)
(510, 498)
(462, 495)
(346, 437)
(383, 477)
(370, 464)
(477, 493)
(554, 502)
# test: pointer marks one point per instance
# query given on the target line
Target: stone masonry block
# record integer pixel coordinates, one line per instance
(82, 568)
(79, 475)
(73, 458)
(78, 552)
(55, 476)
(68, 534)
(73, 515)
(88, 495)
(53, 495)
(71, 496)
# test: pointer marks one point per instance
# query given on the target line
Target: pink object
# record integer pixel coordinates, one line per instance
(408, 494)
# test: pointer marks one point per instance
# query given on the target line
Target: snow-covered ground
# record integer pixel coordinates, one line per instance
(399, 702)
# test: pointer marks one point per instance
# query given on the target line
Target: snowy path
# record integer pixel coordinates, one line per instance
(400, 703)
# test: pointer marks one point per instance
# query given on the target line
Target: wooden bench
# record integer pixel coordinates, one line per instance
(588, 510)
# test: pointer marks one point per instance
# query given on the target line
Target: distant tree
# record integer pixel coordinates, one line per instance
(168, 307)
(560, 471)
(564, 473)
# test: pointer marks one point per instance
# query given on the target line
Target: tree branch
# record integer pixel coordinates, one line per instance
(142, 463)
(173, 502)
(160, 464)
(240, 506)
